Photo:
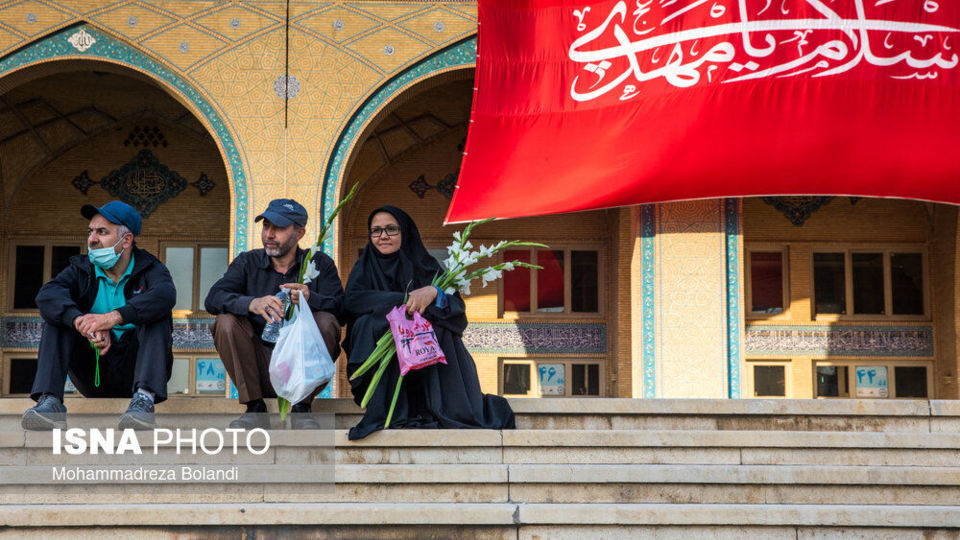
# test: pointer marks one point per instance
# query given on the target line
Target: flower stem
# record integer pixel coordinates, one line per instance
(396, 393)
(284, 408)
(376, 356)
(375, 381)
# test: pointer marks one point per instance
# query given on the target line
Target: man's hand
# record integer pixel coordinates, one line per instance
(421, 299)
(268, 307)
(93, 322)
(296, 289)
(101, 340)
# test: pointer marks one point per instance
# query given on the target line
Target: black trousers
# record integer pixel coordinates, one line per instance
(141, 358)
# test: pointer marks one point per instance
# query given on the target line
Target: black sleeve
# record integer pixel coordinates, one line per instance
(360, 300)
(228, 294)
(56, 298)
(326, 291)
(453, 318)
(155, 302)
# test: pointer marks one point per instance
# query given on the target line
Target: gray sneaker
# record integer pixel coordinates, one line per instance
(49, 413)
(139, 413)
(251, 420)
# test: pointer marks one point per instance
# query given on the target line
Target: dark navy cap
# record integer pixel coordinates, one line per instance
(284, 212)
(117, 212)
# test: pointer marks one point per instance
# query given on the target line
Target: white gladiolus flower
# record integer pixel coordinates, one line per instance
(313, 251)
(468, 245)
(490, 274)
(507, 266)
(486, 251)
(456, 236)
(449, 290)
(450, 263)
(312, 272)
(465, 290)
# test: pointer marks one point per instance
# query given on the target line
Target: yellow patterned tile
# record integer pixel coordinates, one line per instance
(133, 21)
(8, 40)
(391, 12)
(469, 10)
(183, 45)
(32, 18)
(338, 24)
(440, 26)
(389, 48)
(185, 9)
(236, 22)
(279, 7)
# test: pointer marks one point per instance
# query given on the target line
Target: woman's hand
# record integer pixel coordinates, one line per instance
(421, 299)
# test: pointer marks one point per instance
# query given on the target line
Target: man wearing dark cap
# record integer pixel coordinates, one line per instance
(115, 301)
(244, 300)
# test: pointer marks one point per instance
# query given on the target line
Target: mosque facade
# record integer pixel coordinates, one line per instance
(198, 113)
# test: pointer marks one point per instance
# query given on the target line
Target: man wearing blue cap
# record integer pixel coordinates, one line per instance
(107, 322)
(244, 300)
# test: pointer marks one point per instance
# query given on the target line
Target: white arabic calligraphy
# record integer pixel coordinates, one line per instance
(625, 61)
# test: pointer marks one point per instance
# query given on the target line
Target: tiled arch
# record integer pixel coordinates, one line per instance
(459, 55)
(104, 47)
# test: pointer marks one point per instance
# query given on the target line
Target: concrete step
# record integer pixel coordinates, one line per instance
(530, 520)
(923, 416)
(700, 484)
(546, 447)
(649, 468)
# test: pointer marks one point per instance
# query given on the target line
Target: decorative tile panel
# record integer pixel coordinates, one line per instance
(188, 334)
(732, 210)
(648, 232)
(691, 318)
(840, 340)
(499, 338)
(374, 46)
(145, 20)
(338, 24)
(440, 26)
(183, 45)
(32, 18)
(237, 23)
(536, 338)
(144, 183)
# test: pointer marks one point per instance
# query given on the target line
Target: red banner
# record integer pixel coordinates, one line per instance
(596, 104)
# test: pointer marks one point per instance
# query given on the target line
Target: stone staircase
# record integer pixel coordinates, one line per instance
(574, 468)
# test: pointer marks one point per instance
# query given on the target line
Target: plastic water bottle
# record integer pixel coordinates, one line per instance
(272, 330)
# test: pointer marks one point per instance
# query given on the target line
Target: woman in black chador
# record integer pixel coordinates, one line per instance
(448, 395)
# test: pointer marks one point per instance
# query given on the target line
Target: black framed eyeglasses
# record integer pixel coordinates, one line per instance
(391, 230)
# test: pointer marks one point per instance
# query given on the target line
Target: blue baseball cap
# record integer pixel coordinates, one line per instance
(284, 212)
(116, 212)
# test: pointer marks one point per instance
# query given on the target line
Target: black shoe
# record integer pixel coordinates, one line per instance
(139, 413)
(301, 417)
(49, 413)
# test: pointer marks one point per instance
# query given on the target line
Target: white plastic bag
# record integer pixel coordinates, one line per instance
(300, 361)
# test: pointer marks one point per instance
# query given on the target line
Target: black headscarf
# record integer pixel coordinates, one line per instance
(404, 270)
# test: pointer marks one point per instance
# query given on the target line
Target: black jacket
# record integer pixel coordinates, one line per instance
(149, 291)
(251, 275)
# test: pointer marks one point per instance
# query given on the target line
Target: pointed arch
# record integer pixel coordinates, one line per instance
(104, 47)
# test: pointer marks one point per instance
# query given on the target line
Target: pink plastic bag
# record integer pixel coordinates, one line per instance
(417, 345)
